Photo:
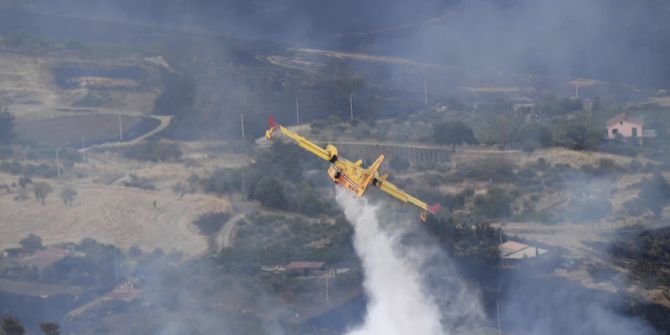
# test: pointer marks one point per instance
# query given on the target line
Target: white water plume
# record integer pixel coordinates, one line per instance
(399, 302)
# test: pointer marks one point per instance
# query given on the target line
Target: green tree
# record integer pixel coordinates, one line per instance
(50, 328)
(544, 136)
(67, 195)
(7, 133)
(453, 133)
(180, 188)
(209, 225)
(580, 137)
(31, 242)
(655, 193)
(24, 181)
(528, 146)
(496, 203)
(12, 326)
(399, 164)
(270, 192)
(41, 190)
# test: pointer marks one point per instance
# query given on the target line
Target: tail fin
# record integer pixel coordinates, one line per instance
(371, 171)
(434, 209)
(271, 121)
(273, 126)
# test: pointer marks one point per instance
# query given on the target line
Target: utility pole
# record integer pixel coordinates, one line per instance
(327, 293)
(83, 153)
(58, 164)
(242, 120)
(502, 263)
(116, 272)
(351, 106)
(576, 90)
(120, 128)
(498, 295)
(425, 92)
(244, 191)
(297, 111)
(498, 313)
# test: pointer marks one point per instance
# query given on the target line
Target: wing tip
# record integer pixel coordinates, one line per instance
(434, 209)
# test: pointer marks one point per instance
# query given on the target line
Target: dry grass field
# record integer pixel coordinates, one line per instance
(111, 214)
(107, 211)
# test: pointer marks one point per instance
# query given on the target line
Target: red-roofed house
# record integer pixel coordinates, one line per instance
(628, 127)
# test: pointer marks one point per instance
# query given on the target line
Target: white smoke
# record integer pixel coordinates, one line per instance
(399, 300)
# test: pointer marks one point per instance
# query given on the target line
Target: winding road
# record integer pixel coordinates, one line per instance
(164, 123)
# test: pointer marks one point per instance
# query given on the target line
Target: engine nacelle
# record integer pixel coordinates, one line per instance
(331, 150)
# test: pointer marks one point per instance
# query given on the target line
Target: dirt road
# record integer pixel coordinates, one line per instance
(164, 123)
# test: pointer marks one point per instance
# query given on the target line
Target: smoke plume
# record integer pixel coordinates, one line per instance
(396, 277)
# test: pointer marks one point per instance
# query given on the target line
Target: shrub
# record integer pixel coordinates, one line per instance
(7, 133)
(41, 191)
(580, 136)
(588, 209)
(32, 242)
(139, 182)
(270, 192)
(623, 149)
(453, 133)
(308, 201)
(12, 326)
(496, 203)
(67, 195)
(24, 181)
(399, 164)
(154, 151)
(487, 169)
(44, 170)
(361, 130)
(70, 155)
(223, 181)
(211, 223)
(655, 193)
(606, 166)
(134, 251)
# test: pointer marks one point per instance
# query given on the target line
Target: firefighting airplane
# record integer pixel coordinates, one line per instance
(351, 175)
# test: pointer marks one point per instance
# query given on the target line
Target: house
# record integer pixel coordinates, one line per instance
(625, 126)
(511, 250)
(306, 269)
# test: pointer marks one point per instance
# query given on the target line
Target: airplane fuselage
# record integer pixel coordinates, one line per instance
(345, 179)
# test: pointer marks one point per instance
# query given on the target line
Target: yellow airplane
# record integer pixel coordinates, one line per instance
(351, 175)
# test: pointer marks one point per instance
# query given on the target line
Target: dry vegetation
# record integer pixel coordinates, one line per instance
(49, 113)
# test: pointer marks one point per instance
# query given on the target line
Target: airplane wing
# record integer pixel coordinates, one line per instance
(401, 195)
(327, 154)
